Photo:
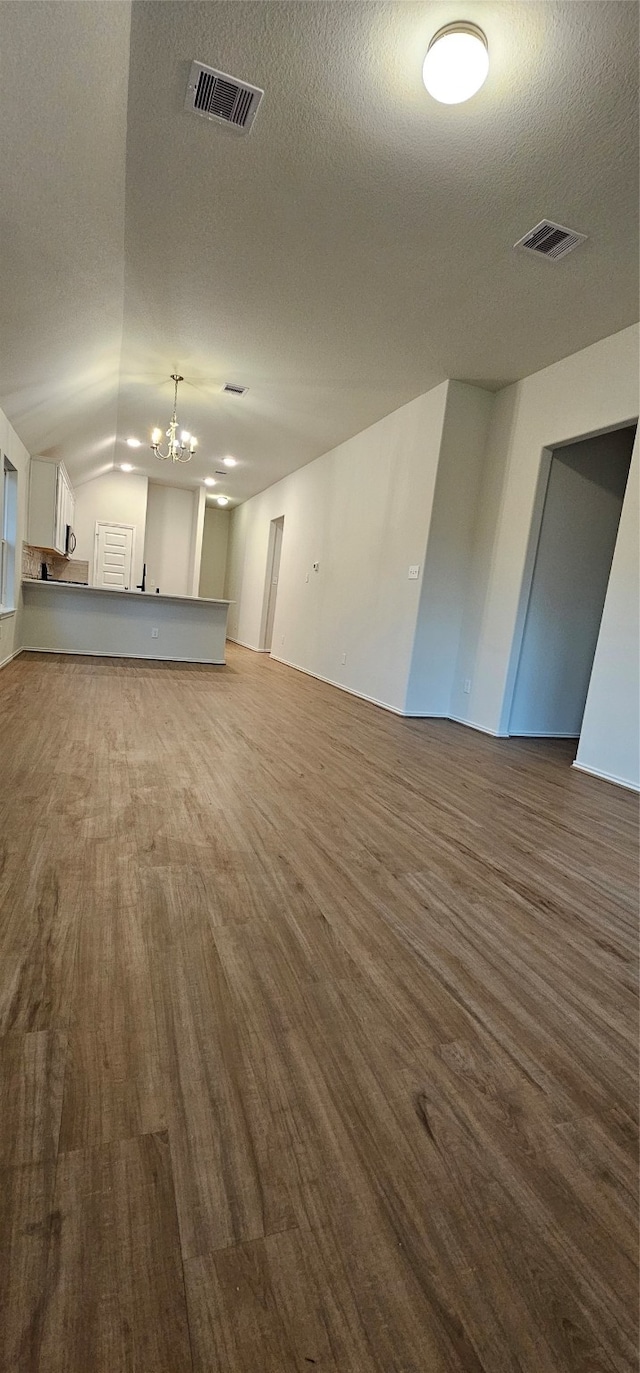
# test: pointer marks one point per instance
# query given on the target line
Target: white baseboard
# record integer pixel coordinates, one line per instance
(469, 724)
(5, 661)
(607, 777)
(362, 696)
(138, 657)
(482, 729)
(543, 734)
(241, 644)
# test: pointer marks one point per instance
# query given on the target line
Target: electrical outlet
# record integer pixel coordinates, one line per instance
(154, 633)
(344, 657)
(467, 686)
(414, 572)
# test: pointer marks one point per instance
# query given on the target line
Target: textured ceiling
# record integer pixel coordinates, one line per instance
(354, 250)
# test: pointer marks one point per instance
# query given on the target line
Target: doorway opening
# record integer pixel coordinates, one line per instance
(274, 552)
(585, 488)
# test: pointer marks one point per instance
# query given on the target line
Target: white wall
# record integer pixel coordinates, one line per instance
(362, 512)
(587, 392)
(579, 526)
(444, 578)
(119, 498)
(14, 449)
(213, 561)
(610, 738)
(168, 548)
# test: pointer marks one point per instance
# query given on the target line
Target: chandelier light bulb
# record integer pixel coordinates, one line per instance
(456, 64)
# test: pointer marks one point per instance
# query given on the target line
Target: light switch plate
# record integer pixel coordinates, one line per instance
(414, 572)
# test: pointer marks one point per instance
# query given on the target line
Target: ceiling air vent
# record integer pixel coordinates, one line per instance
(230, 389)
(550, 240)
(216, 95)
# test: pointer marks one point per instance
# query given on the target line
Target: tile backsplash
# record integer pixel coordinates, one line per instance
(58, 569)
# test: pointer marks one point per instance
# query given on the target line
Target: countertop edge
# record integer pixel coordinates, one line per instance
(154, 596)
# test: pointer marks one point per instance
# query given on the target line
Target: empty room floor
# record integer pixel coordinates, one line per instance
(317, 1034)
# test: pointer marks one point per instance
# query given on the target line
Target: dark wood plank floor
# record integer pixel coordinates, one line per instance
(317, 1034)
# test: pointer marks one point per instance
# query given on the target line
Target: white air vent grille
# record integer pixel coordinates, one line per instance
(550, 240)
(230, 389)
(216, 95)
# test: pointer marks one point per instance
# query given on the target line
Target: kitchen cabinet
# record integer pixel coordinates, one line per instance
(51, 505)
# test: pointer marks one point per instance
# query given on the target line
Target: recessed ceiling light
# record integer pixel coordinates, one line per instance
(134, 443)
(222, 500)
(209, 481)
(126, 467)
(456, 63)
(230, 462)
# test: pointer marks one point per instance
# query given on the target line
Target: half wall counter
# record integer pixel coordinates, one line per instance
(59, 617)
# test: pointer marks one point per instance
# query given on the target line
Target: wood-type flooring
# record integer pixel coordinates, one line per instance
(318, 1034)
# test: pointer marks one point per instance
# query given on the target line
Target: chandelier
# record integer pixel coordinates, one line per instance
(178, 449)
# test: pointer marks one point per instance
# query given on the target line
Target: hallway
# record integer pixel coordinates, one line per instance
(317, 1033)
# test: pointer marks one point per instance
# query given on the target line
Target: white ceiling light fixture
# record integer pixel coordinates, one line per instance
(126, 467)
(230, 462)
(209, 481)
(457, 63)
(222, 500)
(134, 443)
(178, 449)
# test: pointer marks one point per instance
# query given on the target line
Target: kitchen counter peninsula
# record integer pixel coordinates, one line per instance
(63, 617)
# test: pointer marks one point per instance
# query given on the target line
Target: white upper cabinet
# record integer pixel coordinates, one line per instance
(51, 505)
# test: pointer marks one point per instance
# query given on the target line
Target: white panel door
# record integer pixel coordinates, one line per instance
(114, 553)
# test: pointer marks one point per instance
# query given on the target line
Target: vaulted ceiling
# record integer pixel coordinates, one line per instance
(355, 249)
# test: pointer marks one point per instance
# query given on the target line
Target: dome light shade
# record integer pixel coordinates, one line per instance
(456, 64)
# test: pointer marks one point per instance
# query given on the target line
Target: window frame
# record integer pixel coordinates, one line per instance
(9, 541)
